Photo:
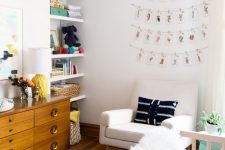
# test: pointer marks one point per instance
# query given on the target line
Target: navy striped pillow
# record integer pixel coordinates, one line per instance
(165, 110)
(142, 113)
(153, 112)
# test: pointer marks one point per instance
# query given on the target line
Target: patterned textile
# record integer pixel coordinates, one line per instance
(153, 112)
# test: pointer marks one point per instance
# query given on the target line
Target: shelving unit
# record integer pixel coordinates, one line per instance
(56, 23)
(78, 98)
(57, 56)
(59, 78)
(69, 19)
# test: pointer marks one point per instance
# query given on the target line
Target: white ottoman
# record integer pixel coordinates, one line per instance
(160, 139)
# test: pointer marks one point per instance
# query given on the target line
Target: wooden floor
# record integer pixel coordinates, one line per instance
(91, 143)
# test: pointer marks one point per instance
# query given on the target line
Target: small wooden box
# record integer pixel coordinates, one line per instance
(58, 12)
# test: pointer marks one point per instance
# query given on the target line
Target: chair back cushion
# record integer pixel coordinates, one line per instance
(185, 93)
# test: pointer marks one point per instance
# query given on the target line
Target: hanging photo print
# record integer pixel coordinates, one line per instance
(137, 34)
(158, 38)
(148, 37)
(148, 15)
(206, 8)
(169, 39)
(140, 55)
(151, 58)
(174, 59)
(180, 37)
(169, 18)
(180, 16)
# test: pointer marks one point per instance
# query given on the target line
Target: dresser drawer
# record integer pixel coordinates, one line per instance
(59, 142)
(20, 117)
(16, 127)
(52, 112)
(49, 130)
(18, 141)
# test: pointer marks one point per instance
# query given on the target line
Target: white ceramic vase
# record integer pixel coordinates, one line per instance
(211, 129)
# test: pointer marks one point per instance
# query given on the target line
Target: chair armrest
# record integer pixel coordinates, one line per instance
(114, 117)
(182, 122)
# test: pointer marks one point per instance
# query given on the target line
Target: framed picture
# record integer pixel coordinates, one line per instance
(54, 39)
(10, 42)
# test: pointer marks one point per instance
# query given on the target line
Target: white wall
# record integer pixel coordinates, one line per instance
(110, 64)
(36, 27)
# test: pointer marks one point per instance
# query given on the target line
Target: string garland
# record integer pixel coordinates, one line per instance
(154, 57)
(148, 34)
(168, 15)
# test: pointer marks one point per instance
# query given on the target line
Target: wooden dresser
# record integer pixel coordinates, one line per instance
(31, 125)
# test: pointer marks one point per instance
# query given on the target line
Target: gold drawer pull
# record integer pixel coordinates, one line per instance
(54, 129)
(10, 141)
(54, 112)
(54, 146)
(10, 130)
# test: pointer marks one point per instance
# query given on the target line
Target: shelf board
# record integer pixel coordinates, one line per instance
(59, 78)
(77, 98)
(55, 56)
(62, 18)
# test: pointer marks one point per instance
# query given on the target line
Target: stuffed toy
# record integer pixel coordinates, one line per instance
(71, 39)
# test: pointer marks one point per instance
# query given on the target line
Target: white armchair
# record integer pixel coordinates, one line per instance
(118, 129)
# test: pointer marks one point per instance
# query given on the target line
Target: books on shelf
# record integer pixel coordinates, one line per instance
(63, 67)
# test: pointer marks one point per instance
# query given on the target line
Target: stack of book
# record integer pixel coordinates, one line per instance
(63, 67)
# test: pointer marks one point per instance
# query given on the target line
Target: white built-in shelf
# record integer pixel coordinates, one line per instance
(56, 56)
(54, 17)
(59, 78)
(77, 98)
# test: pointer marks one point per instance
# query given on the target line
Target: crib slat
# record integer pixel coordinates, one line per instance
(223, 146)
(194, 144)
(208, 145)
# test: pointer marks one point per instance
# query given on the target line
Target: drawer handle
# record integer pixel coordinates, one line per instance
(10, 120)
(10, 130)
(54, 129)
(10, 141)
(54, 146)
(54, 112)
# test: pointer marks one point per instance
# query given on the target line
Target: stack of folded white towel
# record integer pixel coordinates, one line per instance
(74, 11)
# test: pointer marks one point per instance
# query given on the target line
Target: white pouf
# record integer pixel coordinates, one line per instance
(160, 139)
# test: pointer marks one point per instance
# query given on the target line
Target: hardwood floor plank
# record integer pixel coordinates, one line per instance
(91, 143)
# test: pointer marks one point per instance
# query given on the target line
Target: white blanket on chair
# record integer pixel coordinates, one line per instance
(160, 139)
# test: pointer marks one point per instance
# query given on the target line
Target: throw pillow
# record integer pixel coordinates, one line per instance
(165, 110)
(142, 113)
(153, 112)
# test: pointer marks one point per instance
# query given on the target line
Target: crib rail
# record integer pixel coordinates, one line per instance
(203, 136)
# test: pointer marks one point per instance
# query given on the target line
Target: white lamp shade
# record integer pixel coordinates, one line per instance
(38, 61)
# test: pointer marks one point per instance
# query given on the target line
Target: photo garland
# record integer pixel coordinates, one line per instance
(173, 59)
(171, 16)
(148, 36)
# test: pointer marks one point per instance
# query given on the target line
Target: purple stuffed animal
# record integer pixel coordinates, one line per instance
(71, 39)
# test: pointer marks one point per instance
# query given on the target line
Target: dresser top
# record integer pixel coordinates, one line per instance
(24, 105)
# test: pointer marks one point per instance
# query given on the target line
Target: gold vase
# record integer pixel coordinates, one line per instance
(41, 81)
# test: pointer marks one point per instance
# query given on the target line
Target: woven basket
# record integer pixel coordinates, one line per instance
(71, 90)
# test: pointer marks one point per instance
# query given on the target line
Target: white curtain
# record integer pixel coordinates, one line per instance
(215, 93)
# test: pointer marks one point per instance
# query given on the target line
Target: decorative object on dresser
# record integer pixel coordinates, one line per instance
(38, 125)
(23, 83)
(41, 66)
(6, 104)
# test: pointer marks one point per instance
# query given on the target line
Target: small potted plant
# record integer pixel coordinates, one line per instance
(213, 123)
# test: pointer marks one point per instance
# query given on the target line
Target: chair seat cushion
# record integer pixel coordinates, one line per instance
(132, 132)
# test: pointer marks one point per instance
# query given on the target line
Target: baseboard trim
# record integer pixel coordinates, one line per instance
(91, 130)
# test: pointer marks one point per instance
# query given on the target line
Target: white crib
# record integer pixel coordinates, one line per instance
(204, 136)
